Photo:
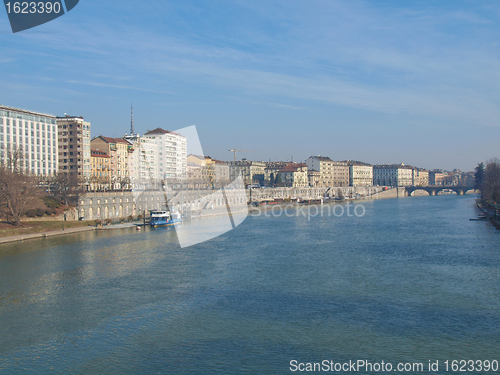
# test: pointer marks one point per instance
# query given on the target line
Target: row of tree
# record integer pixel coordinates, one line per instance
(487, 179)
(21, 191)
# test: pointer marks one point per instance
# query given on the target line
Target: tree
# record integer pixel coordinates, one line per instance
(68, 185)
(18, 189)
(491, 184)
(278, 182)
(479, 176)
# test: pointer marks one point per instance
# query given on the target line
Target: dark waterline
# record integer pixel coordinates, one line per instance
(412, 280)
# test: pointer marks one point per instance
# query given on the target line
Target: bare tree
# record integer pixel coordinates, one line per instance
(68, 185)
(18, 188)
(491, 183)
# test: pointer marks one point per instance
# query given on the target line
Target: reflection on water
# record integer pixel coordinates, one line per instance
(412, 280)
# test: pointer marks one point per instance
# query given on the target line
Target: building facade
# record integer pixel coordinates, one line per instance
(35, 134)
(420, 177)
(100, 175)
(143, 161)
(74, 147)
(251, 171)
(172, 153)
(118, 150)
(294, 175)
(393, 175)
(360, 174)
(332, 173)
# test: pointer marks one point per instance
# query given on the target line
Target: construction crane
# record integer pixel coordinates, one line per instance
(235, 150)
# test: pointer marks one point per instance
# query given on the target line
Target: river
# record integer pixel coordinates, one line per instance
(410, 281)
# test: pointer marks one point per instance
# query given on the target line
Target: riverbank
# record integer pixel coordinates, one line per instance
(32, 230)
(27, 227)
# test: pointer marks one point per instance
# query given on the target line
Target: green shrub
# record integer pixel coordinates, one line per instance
(40, 212)
(51, 202)
(130, 218)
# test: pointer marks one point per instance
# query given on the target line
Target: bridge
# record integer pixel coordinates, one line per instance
(435, 189)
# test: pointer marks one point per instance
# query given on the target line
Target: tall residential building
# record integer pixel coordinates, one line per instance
(74, 146)
(360, 174)
(332, 173)
(35, 134)
(143, 161)
(172, 153)
(393, 175)
(118, 149)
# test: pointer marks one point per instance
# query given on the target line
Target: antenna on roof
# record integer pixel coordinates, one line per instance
(132, 120)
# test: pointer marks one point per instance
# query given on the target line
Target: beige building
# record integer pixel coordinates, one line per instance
(360, 174)
(420, 177)
(332, 173)
(214, 172)
(118, 150)
(313, 178)
(251, 171)
(100, 174)
(392, 175)
(74, 146)
(436, 178)
(294, 175)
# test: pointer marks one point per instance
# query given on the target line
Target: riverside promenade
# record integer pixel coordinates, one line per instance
(60, 232)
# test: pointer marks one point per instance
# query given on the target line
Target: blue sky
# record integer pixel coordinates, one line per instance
(378, 81)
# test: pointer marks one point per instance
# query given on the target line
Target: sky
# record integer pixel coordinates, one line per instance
(377, 81)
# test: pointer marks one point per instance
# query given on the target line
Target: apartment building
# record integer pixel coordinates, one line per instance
(35, 134)
(100, 175)
(294, 175)
(332, 173)
(393, 175)
(74, 147)
(172, 157)
(143, 161)
(251, 171)
(118, 150)
(420, 177)
(360, 174)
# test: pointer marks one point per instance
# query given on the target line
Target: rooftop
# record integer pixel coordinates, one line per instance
(161, 131)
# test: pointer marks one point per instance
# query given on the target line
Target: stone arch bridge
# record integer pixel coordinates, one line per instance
(435, 189)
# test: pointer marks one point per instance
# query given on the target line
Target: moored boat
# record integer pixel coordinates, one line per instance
(164, 218)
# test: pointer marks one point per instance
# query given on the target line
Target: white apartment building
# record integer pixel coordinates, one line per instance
(74, 146)
(172, 153)
(35, 134)
(143, 161)
(360, 174)
(393, 175)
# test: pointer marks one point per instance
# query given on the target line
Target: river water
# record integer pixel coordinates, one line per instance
(410, 281)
